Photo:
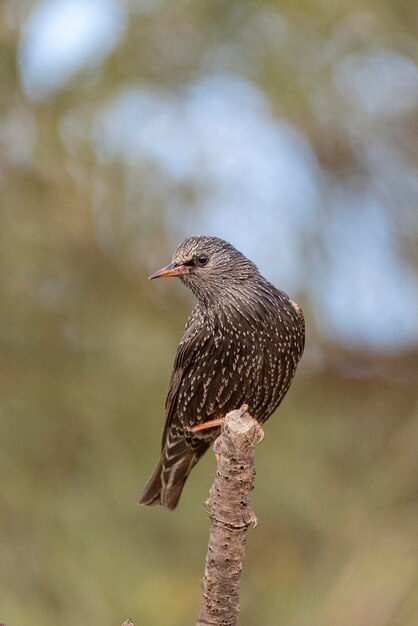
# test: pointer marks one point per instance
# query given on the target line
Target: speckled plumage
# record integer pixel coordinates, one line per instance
(241, 345)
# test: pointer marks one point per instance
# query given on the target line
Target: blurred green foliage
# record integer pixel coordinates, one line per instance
(87, 348)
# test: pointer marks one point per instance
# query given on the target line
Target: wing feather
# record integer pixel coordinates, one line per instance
(194, 338)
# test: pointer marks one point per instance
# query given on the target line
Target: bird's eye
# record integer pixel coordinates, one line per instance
(202, 259)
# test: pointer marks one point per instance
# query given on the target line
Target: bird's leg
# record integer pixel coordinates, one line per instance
(218, 421)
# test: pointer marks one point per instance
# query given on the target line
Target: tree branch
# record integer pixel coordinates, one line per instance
(230, 515)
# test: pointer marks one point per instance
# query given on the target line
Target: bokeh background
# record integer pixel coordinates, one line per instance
(290, 129)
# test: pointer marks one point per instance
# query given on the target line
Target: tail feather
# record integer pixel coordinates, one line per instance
(166, 483)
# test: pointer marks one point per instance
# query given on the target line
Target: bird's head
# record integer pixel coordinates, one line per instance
(209, 266)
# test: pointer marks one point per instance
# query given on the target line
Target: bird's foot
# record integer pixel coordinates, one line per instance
(207, 507)
(250, 518)
(216, 447)
(259, 431)
(218, 421)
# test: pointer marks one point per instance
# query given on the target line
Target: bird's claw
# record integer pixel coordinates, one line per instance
(207, 507)
(216, 447)
(259, 432)
(250, 518)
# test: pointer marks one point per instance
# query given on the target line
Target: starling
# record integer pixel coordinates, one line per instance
(241, 345)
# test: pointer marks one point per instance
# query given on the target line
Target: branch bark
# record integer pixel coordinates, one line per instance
(230, 515)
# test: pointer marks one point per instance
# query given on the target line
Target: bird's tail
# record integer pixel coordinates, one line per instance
(167, 482)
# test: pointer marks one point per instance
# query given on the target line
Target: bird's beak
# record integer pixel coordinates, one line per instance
(170, 270)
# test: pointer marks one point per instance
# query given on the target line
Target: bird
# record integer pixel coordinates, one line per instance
(241, 345)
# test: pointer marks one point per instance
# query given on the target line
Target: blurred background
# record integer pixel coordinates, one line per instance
(289, 129)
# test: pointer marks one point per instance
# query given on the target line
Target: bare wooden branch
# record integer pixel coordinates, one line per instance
(230, 516)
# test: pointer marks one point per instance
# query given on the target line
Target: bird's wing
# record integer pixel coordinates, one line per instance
(194, 338)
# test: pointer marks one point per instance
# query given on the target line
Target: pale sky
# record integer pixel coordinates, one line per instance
(262, 181)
